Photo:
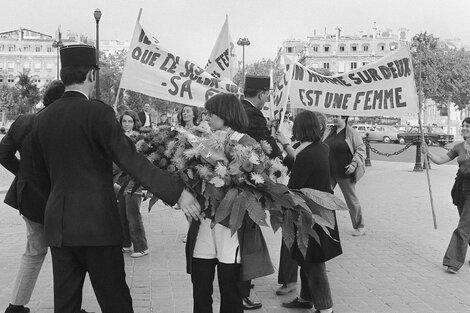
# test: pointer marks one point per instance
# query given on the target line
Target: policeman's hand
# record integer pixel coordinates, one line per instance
(350, 168)
(189, 205)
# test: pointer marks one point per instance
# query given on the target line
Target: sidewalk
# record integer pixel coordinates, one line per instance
(396, 267)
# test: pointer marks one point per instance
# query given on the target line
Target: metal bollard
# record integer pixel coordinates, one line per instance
(367, 142)
(418, 167)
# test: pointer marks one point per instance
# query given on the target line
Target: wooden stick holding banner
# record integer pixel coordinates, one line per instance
(119, 89)
(289, 75)
(426, 161)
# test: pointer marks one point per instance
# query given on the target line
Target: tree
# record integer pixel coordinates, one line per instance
(260, 68)
(28, 95)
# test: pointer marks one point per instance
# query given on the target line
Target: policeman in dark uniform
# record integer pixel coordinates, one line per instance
(77, 140)
(257, 93)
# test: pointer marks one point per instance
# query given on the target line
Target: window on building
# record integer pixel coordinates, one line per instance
(26, 48)
(326, 65)
(341, 67)
(1, 79)
(315, 49)
(26, 65)
(49, 67)
(11, 49)
(342, 48)
(11, 80)
(381, 47)
(327, 48)
(37, 67)
(49, 49)
(365, 48)
(2, 47)
(393, 46)
(38, 49)
(353, 47)
(353, 65)
(289, 50)
(11, 67)
(364, 63)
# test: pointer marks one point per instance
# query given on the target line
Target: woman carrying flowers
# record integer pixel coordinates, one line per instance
(240, 256)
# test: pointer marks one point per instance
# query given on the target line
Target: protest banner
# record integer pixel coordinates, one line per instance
(223, 61)
(385, 87)
(153, 70)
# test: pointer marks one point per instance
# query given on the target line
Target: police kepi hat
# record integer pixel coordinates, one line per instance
(257, 82)
(74, 55)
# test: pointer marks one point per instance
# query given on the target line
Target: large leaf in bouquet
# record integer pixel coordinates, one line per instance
(255, 209)
(288, 229)
(237, 215)
(325, 199)
(225, 206)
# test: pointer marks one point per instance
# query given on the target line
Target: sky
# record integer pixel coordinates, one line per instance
(190, 28)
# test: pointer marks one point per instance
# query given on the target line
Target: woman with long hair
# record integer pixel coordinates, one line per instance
(456, 252)
(129, 202)
(238, 258)
(188, 117)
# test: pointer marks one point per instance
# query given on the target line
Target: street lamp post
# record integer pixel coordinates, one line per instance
(58, 44)
(243, 42)
(97, 15)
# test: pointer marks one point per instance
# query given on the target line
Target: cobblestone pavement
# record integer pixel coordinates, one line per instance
(396, 267)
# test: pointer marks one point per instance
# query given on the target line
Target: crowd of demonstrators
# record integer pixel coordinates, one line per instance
(456, 252)
(208, 248)
(129, 201)
(347, 156)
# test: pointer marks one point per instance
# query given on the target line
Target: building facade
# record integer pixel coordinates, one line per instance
(339, 54)
(25, 51)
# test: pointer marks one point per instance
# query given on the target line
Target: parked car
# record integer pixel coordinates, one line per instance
(361, 128)
(432, 135)
(384, 133)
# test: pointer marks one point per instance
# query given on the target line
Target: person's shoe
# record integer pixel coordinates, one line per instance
(359, 232)
(251, 305)
(17, 309)
(127, 249)
(139, 254)
(318, 311)
(451, 270)
(297, 304)
(286, 288)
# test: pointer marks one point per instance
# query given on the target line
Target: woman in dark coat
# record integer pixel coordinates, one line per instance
(311, 170)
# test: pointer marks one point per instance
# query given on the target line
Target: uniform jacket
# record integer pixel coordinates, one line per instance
(357, 148)
(258, 128)
(29, 190)
(311, 169)
(78, 140)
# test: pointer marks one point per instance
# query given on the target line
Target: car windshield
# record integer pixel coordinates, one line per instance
(436, 130)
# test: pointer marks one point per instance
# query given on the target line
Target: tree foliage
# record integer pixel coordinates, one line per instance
(444, 75)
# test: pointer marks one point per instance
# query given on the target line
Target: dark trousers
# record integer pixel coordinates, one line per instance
(105, 267)
(288, 267)
(133, 230)
(315, 286)
(457, 249)
(202, 277)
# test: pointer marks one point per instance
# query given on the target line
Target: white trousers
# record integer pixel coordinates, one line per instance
(217, 243)
(31, 263)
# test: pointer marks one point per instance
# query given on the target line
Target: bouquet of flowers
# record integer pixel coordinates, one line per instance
(234, 181)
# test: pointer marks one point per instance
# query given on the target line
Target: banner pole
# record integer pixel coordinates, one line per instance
(289, 74)
(119, 88)
(117, 99)
(426, 161)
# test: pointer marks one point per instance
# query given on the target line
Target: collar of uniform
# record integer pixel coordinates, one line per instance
(250, 103)
(74, 90)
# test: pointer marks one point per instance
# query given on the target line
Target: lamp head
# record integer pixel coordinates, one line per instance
(97, 14)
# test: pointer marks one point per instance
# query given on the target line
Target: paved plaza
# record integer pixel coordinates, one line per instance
(396, 267)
